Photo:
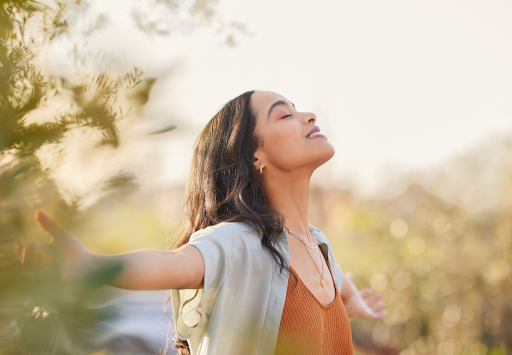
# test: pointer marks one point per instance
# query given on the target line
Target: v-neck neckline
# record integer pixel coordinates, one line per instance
(311, 293)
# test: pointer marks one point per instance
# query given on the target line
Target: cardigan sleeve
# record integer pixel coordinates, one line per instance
(192, 307)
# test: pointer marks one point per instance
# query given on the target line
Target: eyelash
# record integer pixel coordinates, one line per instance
(287, 116)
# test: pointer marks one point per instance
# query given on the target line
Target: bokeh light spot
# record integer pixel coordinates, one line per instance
(378, 281)
(416, 246)
(401, 280)
(451, 315)
(398, 228)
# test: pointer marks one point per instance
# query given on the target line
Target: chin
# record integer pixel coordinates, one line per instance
(324, 156)
(330, 156)
(329, 151)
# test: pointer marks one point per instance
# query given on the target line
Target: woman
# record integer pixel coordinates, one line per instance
(250, 275)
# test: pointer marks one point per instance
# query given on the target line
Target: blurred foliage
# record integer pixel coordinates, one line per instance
(446, 272)
(37, 110)
(163, 17)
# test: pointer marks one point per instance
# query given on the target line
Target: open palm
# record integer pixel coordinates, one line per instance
(369, 303)
(64, 249)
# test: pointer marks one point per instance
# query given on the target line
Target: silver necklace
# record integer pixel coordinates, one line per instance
(302, 240)
(322, 279)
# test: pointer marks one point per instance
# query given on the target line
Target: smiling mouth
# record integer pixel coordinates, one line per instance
(315, 134)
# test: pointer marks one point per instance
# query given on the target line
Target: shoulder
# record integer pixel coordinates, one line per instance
(228, 242)
(228, 231)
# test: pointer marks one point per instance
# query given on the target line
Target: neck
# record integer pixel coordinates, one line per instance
(288, 193)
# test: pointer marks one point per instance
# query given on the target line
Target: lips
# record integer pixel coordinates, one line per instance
(312, 134)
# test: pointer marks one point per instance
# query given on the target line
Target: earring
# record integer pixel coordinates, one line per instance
(261, 169)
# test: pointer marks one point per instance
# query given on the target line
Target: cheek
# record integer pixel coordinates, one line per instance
(285, 147)
(288, 151)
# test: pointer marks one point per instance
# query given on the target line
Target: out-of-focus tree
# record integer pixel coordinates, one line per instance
(445, 270)
(37, 313)
(184, 16)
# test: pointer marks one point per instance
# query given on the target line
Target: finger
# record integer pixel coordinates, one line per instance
(370, 301)
(377, 307)
(366, 312)
(49, 225)
(366, 292)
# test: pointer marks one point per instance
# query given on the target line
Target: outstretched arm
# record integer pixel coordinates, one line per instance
(145, 269)
(150, 269)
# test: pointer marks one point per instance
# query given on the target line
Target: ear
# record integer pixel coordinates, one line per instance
(257, 162)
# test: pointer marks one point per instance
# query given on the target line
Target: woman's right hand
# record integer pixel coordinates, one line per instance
(144, 269)
(74, 259)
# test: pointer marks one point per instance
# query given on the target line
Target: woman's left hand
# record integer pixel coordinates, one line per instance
(368, 302)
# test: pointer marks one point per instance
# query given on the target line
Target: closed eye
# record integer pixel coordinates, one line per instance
(287, 116)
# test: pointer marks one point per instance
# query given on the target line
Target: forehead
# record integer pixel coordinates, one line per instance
(262, 100)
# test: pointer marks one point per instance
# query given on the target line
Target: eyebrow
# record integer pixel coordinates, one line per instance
(277, 103)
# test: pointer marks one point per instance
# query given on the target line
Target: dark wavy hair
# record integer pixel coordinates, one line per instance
(224, 185)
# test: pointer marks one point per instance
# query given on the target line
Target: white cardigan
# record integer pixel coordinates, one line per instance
(239, 309)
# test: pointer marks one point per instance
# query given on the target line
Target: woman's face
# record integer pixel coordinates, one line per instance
(289, 141)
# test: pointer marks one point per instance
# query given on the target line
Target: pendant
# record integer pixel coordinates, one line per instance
(322, 282)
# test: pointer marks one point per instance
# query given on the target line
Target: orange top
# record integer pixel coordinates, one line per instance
(309, 327)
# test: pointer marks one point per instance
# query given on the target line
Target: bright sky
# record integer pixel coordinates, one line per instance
(396, 85)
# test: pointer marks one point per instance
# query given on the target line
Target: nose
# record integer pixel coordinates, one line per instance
(310, 117)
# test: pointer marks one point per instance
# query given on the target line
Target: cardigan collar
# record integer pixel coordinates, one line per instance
(320, 238)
